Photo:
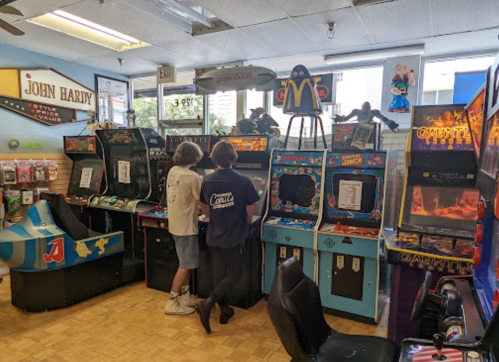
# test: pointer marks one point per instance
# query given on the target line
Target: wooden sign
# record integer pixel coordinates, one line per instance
(44, 113)
(48, 86)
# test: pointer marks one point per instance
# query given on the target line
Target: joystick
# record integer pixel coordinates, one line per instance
(438, 342)
(454, 242)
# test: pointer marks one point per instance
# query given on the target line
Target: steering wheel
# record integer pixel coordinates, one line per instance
(421, 297)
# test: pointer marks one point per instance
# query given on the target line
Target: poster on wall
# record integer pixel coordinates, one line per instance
(112, 99)
(324, 89)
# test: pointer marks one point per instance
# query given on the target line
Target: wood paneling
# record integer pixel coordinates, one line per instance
(64, 165)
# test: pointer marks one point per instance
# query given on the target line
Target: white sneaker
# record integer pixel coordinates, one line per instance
(188, 299)
(173, 306)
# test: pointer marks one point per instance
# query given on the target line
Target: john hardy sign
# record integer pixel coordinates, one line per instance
(47, 86)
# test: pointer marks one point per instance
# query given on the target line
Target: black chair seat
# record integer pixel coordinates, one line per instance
(349, 348)
(295, 309)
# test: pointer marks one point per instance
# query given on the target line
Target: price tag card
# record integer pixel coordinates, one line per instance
(86, 177)
(124, 172)
(350, 195)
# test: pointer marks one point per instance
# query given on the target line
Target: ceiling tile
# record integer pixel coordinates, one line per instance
(46, 41)
(397, 20)
(300, 7)
(253, 49)
(349, 31)
(122, 18)
(455, 16)
(131, 65)
(283, 36)
(32, 8)
(161, 56)
(243, 13)
(194, 49)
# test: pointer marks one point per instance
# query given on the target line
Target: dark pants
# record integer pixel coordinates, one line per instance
(227, 269)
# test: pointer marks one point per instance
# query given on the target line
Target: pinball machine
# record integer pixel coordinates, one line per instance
(86, 173)
(293, 211)
(438, 212)
(359, 198)
(253, 162)
(465, 309)
(135, 169)
(160, 253)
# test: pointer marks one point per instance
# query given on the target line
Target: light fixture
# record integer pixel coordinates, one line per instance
(330, 30)
(374, 55)
(84, 29)
(183, 15)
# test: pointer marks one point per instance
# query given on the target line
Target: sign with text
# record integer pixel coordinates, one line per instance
(44, 113)
(46, 85)
(324, 89)
(166, 75)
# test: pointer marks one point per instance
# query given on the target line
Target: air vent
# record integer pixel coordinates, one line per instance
(369, 2)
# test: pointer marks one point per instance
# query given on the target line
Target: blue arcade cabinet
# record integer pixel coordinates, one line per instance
(352, 269)
(293, 212)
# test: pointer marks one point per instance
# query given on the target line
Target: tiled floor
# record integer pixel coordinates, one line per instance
(128, 324)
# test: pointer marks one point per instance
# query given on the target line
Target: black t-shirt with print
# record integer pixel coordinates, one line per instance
(227, 193)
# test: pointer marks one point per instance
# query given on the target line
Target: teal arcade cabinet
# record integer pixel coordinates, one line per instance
(352, 269)
(293, 211)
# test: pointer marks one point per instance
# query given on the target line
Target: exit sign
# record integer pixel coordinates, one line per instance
(166, 75)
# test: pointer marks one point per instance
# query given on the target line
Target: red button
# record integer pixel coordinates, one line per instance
(479, 233)
(477, 256)
(481, 210)
(496, 299)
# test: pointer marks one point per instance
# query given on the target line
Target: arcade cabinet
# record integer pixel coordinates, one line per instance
(131, 159)
(438, 213)
(55, 260)
(466, 309)
(359, 188)
(293, 211)
(86, 173)
(253, 162)
(160, 253)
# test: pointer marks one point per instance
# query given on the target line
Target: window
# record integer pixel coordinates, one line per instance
(254, 99)
(223, 111)
(353, 88)
(145, 102)
(439, 75)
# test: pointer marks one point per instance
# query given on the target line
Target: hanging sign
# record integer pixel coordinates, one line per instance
(46, 85)
(236, 78)
(44, 113)
(166, 75)
(324, 89)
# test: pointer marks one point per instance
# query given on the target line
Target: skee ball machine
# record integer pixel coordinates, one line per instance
(352, 269)
(86, 173)
(438, 213)
(466, 308)
(293, 211)
(131, 159)
(253, 162)
(160, 253)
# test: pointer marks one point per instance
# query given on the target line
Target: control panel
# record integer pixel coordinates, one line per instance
(76, 200)
(114, 203)
(417, 352)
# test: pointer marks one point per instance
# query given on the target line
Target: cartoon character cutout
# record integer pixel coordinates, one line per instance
(403, 79)
(301, 97)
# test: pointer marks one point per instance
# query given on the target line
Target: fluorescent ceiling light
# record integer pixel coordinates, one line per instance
(374, 55)
(73, 25)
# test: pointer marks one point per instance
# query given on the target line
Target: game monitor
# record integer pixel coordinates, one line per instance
(259, 180)
(206, 142)
(474, 113)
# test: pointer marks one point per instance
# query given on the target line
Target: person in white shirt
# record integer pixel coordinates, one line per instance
(182, 190)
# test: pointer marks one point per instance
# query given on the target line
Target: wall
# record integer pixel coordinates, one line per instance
(13, 125)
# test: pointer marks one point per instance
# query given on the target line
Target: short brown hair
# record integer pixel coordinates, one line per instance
(224, 154)
(188, 153)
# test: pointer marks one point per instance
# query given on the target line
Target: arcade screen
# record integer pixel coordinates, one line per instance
(441, 207)
(259, 180)
(296, 189)
(354, 192)
(85, 177)
(129, 175)
(474, 113)
(489, 163)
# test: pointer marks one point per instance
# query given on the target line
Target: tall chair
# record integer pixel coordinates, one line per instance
(294, 307)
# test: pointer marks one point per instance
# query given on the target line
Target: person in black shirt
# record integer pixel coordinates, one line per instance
(228, 198)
